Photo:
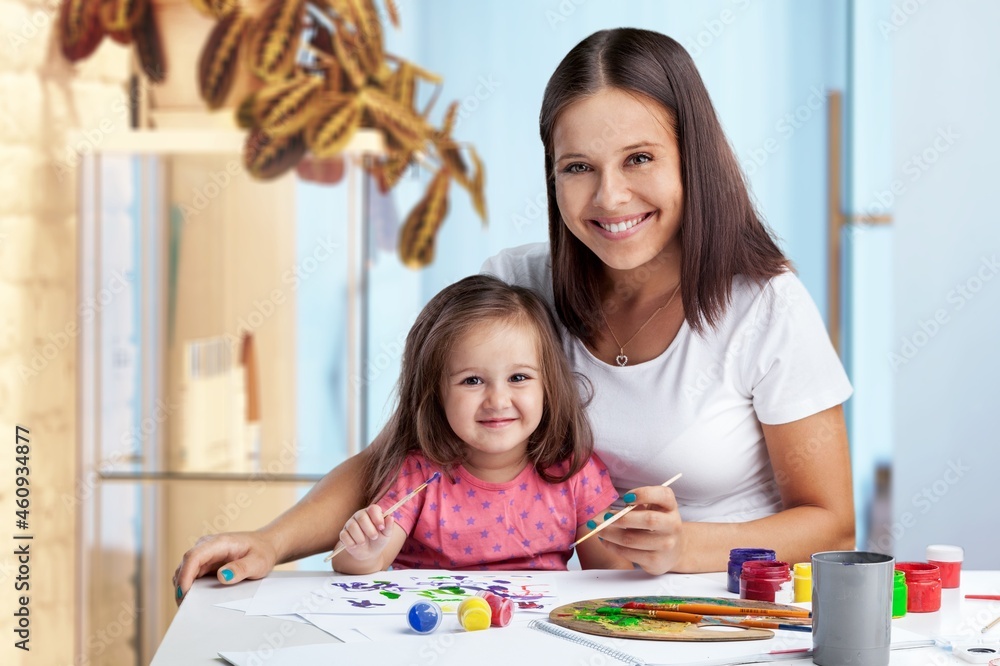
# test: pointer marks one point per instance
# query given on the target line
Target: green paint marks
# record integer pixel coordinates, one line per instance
(390, 595)
(589, 618)
(452, 590)
(625, 620)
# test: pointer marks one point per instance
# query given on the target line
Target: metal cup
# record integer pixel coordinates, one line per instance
(851, 608)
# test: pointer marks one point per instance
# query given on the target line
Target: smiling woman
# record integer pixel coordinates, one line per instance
(645, 198)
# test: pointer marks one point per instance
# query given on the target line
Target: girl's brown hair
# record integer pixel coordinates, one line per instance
(721, 233)
(419, 424)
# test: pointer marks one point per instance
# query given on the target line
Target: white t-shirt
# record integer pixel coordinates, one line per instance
(697, 408)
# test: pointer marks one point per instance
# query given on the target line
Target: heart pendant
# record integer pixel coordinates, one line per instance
(621, 360)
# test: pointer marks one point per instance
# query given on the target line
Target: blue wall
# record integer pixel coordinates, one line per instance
(946, 279)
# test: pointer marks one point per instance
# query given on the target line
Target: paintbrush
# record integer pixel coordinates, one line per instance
(714, 609)
(694, 618)
(434, 477)
(988, 597)
(615, 517)
(990, 626)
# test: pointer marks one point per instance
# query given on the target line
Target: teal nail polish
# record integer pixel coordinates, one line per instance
(608, 515)
(180, 593)
(227, 575)
(629, 498)
(591, 524)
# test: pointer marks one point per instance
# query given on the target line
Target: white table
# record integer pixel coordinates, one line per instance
(200, 629)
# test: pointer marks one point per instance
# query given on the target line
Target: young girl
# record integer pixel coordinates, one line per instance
(487, 399)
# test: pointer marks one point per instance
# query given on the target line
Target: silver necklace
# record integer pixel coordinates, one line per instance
(622, 359)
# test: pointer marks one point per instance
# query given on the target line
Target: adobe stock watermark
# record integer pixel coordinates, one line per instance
(899, 16)
(785, 127)
(470, 103)
(32, 26)
(534, 210)
(914, 168)
(322, 252)
(959, 296)
(779, 300)
(101, 640)
(56, 342)
(388, 353)
(258, 482)
(130, 447)
(217, 182)
(713, 28)
(921, 504)
(88, 141)
(562, 12)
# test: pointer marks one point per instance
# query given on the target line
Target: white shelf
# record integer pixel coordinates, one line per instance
(209, 141)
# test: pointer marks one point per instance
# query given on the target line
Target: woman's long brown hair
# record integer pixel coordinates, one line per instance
(721, 233)
(419, 424)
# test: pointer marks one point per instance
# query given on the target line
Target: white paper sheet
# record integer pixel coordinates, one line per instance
(501, 647)
(243, 604)
(327, 595)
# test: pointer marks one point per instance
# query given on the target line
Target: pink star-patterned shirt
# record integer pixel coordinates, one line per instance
(525, 523)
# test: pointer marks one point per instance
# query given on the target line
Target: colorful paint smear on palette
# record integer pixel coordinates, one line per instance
(590, 617)
(397, 594)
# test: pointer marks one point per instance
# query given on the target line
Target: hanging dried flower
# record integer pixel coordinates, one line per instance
(325, 74)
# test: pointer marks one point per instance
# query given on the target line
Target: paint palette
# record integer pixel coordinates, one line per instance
(582, 616)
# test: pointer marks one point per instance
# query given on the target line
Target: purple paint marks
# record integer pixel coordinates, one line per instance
(362, 603)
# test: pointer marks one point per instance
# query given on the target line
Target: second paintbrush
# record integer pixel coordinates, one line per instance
(694, 618)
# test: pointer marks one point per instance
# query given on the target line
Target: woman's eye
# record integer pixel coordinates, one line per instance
(575, 168)
(641, 158)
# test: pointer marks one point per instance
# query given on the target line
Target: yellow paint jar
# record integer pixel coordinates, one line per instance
(474, 614)
(802, 581)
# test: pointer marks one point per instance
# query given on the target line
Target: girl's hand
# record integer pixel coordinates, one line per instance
(651, 535)
(367, 533)
(232, 557)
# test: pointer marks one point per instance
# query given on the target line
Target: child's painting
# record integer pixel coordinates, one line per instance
(395, 591)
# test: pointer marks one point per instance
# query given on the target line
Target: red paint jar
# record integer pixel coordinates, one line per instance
(949, 560)
(766, 581)
(923, 586)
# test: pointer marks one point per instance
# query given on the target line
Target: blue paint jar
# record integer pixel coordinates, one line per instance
(737, 556)
(424, 616)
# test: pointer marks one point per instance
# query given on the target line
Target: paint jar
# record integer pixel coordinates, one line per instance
(501, 608)
(923, 586)
(737, 556)
(898, 594)
(802, 581)
(949, 560)
(766, 580)
(474, 614)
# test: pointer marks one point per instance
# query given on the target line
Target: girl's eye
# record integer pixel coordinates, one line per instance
(519, 378)
(640, 158)
(471, 381)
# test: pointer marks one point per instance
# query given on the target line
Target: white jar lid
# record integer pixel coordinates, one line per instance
(942, 553)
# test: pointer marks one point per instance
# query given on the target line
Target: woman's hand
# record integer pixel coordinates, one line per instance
(651, 535)
(232, 556)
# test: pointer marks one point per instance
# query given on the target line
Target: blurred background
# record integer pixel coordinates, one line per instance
(190, 347)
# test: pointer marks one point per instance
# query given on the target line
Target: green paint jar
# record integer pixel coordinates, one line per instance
(898, 594)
